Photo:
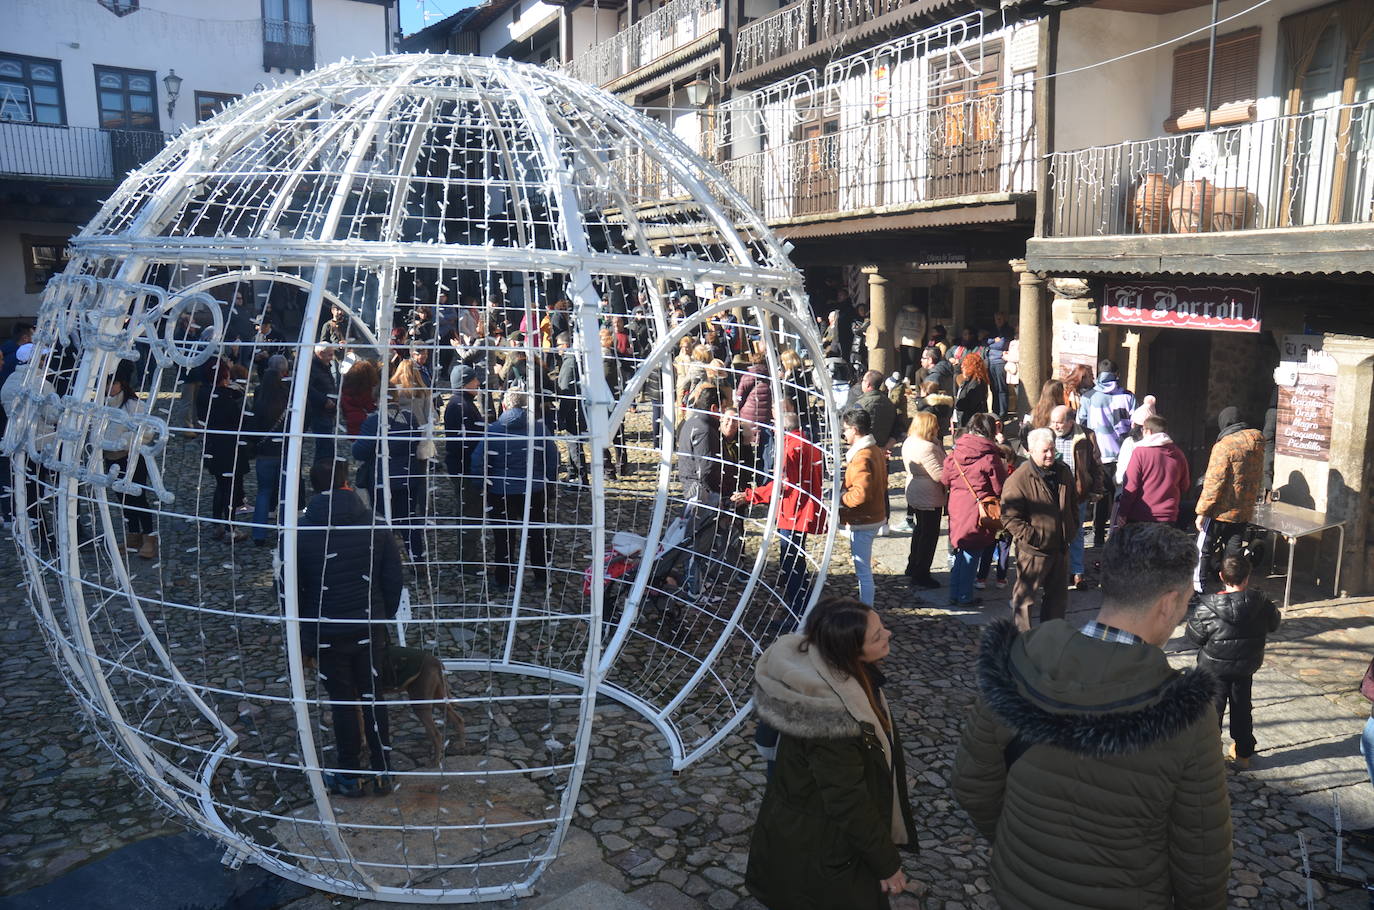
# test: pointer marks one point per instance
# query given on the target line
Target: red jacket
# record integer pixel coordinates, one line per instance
(1156, 479)
(355, 409)
(982, 463)
(803, 472)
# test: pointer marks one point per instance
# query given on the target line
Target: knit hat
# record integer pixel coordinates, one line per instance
(463, 373)
(1144, 412)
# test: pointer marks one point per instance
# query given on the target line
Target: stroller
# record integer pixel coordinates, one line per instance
(689, 535)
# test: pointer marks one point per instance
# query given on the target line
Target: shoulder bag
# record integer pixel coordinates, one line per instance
(989, 507)
(1367, 684)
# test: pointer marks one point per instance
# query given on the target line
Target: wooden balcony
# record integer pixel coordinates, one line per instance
(806, 29)
(932, 157)
(672, 28)
(1298, 171)
(1227, 201)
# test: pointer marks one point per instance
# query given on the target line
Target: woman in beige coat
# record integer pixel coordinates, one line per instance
(924, 459)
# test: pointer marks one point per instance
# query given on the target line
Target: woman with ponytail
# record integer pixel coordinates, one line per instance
(836, 809)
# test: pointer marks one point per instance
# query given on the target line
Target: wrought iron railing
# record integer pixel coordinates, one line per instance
(802, 24)
(74, 152)
(784, 32)
(983, 145)
(1305, 169)
(288, 45)
(672, 26)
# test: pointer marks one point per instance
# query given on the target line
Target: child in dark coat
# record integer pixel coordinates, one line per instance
(1230, 629)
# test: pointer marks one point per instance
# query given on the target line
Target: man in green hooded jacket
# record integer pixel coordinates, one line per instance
(1093, 766)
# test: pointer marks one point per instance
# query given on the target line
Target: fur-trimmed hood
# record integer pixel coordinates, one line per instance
(797, 693)
(1056, 686)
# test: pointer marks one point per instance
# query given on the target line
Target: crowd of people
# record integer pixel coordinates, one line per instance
(493, 398)
(1119, 795)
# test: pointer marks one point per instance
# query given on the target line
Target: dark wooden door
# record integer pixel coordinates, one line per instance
(817, 165)
(1179, 363)
(966, 126)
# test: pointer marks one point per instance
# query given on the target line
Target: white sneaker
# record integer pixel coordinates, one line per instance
(980, 585)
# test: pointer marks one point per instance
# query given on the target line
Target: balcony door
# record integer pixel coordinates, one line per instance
(965, 147)
(128, 108)
(1328, 174)
(817, 163)
(288, 35)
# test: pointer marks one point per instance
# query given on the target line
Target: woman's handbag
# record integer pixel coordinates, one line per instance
(1367, 684)
(427, 449)
(989, 507)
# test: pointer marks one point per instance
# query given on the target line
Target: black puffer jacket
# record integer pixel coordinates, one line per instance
(345, 567)
(698, 456)
(1229, 630)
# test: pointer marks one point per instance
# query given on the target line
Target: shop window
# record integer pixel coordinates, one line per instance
(208, 104)
(1235, 82)
(127, 98)
(44, 257)
(31, 90)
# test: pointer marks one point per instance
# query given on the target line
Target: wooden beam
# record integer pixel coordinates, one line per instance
(1324, 249)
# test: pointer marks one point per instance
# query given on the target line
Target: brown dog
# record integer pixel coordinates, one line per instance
(421, 676)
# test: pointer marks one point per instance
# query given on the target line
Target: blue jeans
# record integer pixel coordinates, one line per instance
(994, 556)
(1076, 544)
(792, 570)
(961, 576)
(269, 494)
(1367, 748)
(997, 372)
(861, 546)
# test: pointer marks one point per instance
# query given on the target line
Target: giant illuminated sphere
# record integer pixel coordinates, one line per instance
(355, 192)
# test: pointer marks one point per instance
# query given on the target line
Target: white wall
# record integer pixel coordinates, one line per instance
(347, 28)
(1113, 103)
(590, 27)
(214, 47)
(1129, 99)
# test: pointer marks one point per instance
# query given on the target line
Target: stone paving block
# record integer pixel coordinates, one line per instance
(595, 896)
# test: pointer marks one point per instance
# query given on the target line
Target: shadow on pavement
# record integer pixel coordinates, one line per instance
(176, 872)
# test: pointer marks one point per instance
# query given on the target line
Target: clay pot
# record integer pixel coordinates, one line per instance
(1152, 204)
(1233, 209)
(1190, 206)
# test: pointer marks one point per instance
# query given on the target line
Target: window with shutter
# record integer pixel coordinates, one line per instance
(1235, 82)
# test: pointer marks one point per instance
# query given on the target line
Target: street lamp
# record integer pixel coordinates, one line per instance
(172, 82)
(698, 90)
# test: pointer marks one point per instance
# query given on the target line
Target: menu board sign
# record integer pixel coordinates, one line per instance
(1305, 415)
(1168, 306)
(1076, 344)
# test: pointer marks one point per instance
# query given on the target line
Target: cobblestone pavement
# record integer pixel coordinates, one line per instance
(681, 840)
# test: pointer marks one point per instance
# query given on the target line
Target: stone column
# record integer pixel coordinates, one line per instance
(1350, 483)
(881, 313)
(1031, 331)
